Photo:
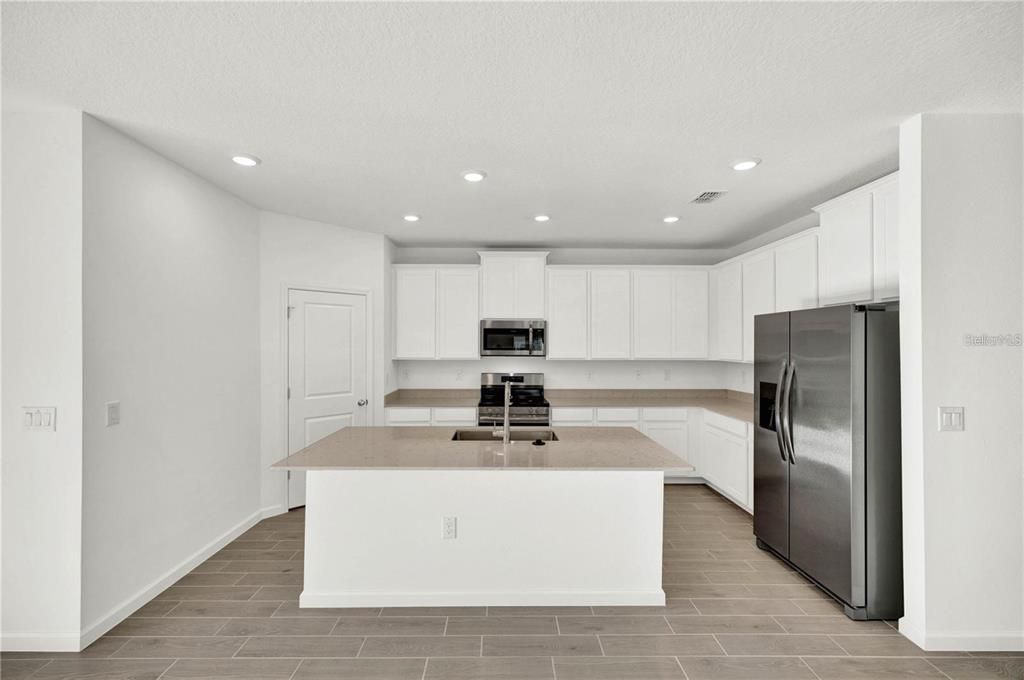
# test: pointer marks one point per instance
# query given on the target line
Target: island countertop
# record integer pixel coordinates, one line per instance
(432, 448)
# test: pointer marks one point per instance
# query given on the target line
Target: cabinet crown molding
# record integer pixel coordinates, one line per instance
(540, 254)
(870, 186)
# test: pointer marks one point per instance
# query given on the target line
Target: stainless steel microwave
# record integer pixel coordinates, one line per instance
(513, 338)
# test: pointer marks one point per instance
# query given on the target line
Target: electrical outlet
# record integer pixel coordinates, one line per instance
(458, 375)
(638, 374)
(668, 374)
(951, 419)
(113, 413)
(39, 418)
(451, 526)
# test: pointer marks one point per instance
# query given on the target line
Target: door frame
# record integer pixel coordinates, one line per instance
(285, 292)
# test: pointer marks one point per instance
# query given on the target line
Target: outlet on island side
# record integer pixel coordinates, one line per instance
(451, 527)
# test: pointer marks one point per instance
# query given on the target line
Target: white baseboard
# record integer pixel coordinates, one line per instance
(651, 598)
(40, 642)
(125, 609)
(998, 641)
(985, 641)
(273, 511)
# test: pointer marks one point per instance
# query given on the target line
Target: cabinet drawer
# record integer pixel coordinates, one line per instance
(734, 427)
(408, 416)
(618, 415)
(455, 415)
(664, 414)
(572, 415)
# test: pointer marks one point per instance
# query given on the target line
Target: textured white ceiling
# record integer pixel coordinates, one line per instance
(605, 116)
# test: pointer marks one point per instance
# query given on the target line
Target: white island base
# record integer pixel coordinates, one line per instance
(375, 538)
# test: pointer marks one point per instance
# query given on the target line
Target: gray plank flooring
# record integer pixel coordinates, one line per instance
(734, 613)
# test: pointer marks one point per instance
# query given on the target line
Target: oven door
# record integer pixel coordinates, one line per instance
(511, 337)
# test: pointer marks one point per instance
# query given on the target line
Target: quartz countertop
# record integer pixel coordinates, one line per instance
(729, 403)
(432, 448)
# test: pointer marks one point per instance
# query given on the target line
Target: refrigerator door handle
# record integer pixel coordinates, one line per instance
(778, 416)
(788, 418)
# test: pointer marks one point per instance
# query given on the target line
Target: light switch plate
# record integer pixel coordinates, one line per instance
(113, 413)
(951, 419)
(39, 418)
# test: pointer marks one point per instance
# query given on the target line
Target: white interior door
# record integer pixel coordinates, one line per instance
(327, 371)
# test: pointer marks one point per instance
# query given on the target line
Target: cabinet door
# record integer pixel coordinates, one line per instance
(886, 240)
(796, 274)
(610, 325)
(758, 295)
(415, 309)
(690, 332)
(498, 288)
(567, 314)
(725, 462)
(653, 313)
(727, 311)
(458, 313)
(671, 435)
(530, 288)
(845, 250)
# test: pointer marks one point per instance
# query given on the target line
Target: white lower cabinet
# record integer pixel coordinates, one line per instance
(402, 416)
(720, 448)
(618, 417)
(670, 428)
(726, 462)
(571, 416)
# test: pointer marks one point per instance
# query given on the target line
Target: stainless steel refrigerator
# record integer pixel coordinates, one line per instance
(827, 451)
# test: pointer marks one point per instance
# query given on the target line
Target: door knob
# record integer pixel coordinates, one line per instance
(362, 402)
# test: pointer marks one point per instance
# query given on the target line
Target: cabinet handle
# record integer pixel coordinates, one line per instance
(362, 402)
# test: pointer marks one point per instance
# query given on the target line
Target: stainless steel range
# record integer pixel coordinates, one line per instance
(528, 405)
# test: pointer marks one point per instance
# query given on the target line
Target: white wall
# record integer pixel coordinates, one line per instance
(961, 259)
(171, 331)
(579, 374)
(297, 252)
(41, 472)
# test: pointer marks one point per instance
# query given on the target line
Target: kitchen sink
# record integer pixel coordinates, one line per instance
(514, 435)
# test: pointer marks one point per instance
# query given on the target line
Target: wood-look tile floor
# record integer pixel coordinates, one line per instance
(734, 612)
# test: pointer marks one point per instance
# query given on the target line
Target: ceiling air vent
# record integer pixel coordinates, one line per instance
(708, 197)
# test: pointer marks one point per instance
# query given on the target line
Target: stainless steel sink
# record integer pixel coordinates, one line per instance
(514, 435)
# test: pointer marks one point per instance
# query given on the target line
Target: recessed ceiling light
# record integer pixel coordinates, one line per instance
(474, 175)
(411, 218)
(746, 164)
(671, 219)
(541, 218)
(246, 160)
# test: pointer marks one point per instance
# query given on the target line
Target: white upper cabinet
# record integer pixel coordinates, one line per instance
(653, 313)
(796, 274)
(436, 312)
(857, 244)
(726, 284)
(758, 295)
(458, 309)
(885, 235)
(610, 314)
(568, 328)
(670, 313)
(690, 307)
(512, 284)
(415, 312)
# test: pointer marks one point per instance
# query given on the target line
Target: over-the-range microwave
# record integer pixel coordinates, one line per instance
(513, 338)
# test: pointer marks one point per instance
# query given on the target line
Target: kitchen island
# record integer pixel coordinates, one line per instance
(407, 516)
